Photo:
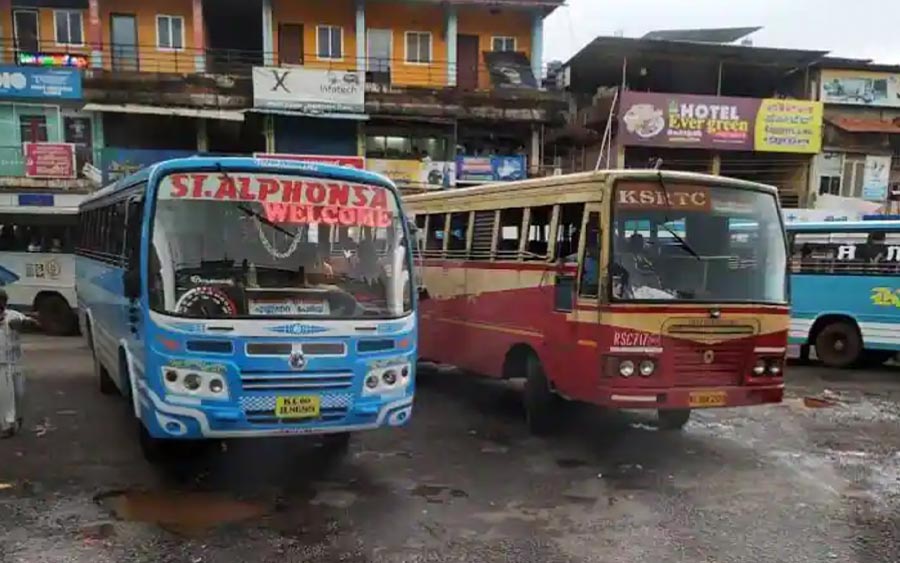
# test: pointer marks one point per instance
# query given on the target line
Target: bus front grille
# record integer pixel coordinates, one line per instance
(296, 382)
(697, 364)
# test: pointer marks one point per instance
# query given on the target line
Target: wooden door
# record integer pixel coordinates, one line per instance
(290, 43)
(467, 62)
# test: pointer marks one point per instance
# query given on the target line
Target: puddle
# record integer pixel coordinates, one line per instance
(571, 463)
(438, 494)
(184, 513)
(818, 402)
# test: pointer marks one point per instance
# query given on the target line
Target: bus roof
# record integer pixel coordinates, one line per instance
(230, 164)
(828, 226)
(515, 189)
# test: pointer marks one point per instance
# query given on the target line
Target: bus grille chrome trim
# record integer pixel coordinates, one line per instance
(300, 380)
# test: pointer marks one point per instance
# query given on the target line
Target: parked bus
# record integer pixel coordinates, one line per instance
(845, 290)
(36, 245)
(625, 289)
(238, 297)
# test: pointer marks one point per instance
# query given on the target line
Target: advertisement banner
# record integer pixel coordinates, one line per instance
(357, 162)
(720, 123)
(118, 163)
(860, 88)
(876, 178)
(482, 169)
(49, 160)
(36, 83)
(433, 175)
(310, 91)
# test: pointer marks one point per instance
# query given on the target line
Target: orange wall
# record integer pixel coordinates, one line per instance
(312, 14)
(400, 18)
(152, 59)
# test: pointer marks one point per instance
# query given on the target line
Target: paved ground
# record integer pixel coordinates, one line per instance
(464, 482)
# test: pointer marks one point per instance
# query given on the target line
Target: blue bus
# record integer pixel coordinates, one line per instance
(236, 297)
(845, 290)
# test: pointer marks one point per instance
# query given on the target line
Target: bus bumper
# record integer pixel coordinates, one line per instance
(692, 397)
(177, 421)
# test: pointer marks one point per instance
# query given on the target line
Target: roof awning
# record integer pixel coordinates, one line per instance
(292, 113)
(857, 125)
(224, 115)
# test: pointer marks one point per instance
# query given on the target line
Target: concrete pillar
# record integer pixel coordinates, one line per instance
(268, 31)
(5, 8)
(452, 31)
(361, 35)
(95, 33)
(199, 36)
(202, 136)
(537, 45)
(534, 155)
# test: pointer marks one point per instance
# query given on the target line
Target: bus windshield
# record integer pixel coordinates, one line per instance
(708, 243)
(258, 245)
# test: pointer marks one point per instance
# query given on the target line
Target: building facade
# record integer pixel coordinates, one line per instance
(432, 93)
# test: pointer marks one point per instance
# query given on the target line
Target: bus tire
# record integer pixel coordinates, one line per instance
(56, 316)
(839, 345)
(541, 403)
(672, 419)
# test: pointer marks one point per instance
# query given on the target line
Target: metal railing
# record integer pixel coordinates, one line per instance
(379, 71)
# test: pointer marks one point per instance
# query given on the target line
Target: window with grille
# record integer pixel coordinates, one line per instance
(537, 246)
(482, 235)
(872, 253)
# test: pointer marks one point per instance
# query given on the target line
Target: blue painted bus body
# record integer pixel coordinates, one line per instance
(135, 346)
(870, 300)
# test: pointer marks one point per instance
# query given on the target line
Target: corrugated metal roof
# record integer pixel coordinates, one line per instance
(859, 125)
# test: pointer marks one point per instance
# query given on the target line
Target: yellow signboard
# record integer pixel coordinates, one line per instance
(793, 126)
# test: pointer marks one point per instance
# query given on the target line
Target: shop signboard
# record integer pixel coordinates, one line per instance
(118, 163)
(428, 174)
(481, 169)
(357, 162)
(49, 160)
(309, 91)
(860, 88)
(720, 123)
(876, 178)
(37, 83)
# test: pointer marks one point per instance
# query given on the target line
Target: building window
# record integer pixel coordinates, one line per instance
(330, 42)
(170, 33)
(69, 26)
(830, 185)
(33, 128)
(854, 172)
(503, 44)
(418, 47)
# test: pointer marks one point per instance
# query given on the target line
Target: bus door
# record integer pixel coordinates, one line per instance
(132, 313)
(573, 338)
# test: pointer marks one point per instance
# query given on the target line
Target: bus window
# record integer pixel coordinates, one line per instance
(434, 241)
(510, 233)
(567, 233)
(537, 247)
(458, 235)
(590, 269)
(483, 235)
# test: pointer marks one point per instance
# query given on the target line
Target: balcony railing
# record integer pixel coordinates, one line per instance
(380, 72)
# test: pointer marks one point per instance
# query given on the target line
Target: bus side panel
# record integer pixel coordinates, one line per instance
(100, 291)
(39, 272)
(873, 302)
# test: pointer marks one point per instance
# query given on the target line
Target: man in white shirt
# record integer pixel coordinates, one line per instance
(12, 376)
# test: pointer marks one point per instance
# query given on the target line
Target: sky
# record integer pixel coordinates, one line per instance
(858, 29)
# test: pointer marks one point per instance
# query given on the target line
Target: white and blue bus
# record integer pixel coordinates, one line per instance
(236, 297)
(845, 290)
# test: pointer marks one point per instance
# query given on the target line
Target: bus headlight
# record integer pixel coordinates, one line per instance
(646, 368)
(626, 368)
(194, 383)
(387, 379)
(760, 367)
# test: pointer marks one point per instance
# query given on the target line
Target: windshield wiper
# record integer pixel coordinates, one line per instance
(265, 221)
(678, 239)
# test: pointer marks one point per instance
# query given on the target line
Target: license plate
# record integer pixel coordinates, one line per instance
(702, 399)
(302, 406)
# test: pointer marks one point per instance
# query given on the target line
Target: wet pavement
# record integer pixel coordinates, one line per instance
(814, 479)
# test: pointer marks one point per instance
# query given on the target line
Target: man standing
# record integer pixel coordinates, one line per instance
(12, 377)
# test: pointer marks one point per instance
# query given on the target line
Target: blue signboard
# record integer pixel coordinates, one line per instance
(118, 163)
(33, 83)
(37, 200)
(475, 169)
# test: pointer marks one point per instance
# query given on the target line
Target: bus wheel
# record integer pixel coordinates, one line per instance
(838, 345)
(56, 317)
(674, 419)
(541, 403)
